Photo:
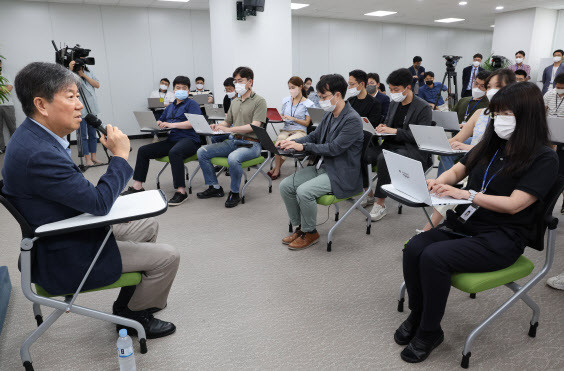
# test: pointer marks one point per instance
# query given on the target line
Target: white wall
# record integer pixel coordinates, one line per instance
(559, 32)
(322, 45)
(133, 47)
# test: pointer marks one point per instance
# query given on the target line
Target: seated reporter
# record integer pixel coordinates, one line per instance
(337, 142)
(182, 142)
(509, 174)
(45, 186)
(247, 109)
(405, 109)
(296, 119)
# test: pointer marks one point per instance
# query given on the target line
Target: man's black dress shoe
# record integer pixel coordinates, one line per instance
(405, 333)
(154, 328)
(418, 350)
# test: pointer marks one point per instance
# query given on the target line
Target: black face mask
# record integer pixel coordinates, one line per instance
(429, 82)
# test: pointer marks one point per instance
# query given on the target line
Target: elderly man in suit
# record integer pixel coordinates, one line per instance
(469, 74)
(405, 109)
(45, 186)
(550, 72)
(337, 143)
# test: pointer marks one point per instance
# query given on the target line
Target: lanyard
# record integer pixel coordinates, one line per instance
(292, 113)
(466, 114)
(484, 185)
(174, 110)
(556, 102)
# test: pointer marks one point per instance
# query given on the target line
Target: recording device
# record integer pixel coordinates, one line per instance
(451, 60)
(497, 62)
(247, 8)
(96, 123)
(77, 54)
(450, 74)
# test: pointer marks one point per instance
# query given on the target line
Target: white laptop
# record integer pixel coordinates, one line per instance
(316, 115)
(201, 99)
(432, 139)
(146, 121)
(367, 126)
(201, 126)
(447, 120)
(556, 129)
(408, 181)
(215, 111)
(155, 102)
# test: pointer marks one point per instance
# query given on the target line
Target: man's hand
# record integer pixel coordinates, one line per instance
(414, 76)
(290, 144)
(71, 65)
(383, 129)
(166, 125)
(445, 190)
(218, 127)
(81, 72)
(210, 99)
(116, 141)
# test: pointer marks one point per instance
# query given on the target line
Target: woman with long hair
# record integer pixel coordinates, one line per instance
(509, 173)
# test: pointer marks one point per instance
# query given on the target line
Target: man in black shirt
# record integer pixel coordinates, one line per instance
(362, 102)
(405, 109)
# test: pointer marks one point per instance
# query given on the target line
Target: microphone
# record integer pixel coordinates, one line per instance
(96, 123)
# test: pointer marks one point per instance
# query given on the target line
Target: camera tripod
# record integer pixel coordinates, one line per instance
(450, 73)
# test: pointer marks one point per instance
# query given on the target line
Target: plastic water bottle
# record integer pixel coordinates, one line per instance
(125, 352)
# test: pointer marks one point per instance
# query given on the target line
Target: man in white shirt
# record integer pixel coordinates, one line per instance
(554, 98)
(7, 111)
(200, 89)
(163, 93)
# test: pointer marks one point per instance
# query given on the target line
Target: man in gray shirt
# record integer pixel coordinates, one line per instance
(7, 111)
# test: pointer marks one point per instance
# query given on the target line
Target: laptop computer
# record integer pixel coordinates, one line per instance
(432, 139)
(367, 126)
(201, 99)
(146, 121)
(155, 103)
(556, 129)
(447, 120)
(316, 115)
(267, 144)
(273, 115)
(408, 181)
(215, 111)
(201, 126)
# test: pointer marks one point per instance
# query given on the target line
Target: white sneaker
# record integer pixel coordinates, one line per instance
(368, 201)
(556, 282)
(377, 213)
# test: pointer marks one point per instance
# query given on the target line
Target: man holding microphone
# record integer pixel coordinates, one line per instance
(45, 186)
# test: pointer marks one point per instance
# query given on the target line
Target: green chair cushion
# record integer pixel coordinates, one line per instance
(327, 200)
(126, 279)
(222, 161)
(478, 282)
(189, 159)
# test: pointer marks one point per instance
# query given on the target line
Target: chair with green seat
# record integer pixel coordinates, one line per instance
(42, 297)
(165, 159)
(473, 283)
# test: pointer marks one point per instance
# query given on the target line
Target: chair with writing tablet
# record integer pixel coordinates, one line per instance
(126, 208)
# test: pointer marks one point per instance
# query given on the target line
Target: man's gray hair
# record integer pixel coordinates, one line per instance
(40, 79)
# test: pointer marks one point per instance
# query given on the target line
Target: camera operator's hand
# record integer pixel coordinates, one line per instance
(71, 66)
(81, 72)
(116, 141)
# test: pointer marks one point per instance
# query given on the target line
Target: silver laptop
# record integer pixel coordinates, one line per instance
(155, 103)
(408, 181)
(556, 128)
(316, 115)
(201, 99)
(433, 139)
(447, 120)
(214, 111)
(201, 126)
(146, 121)
(367, 126)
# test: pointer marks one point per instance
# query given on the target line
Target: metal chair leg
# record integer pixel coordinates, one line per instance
(37, 314)
(24, 350)
(531, 304)
(401, 297)
(192, 177)
(159, 175)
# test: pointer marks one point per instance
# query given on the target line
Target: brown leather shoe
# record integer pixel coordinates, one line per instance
(304, 241)
(289, 239)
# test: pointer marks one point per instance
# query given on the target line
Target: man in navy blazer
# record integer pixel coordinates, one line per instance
(44, 184)
(552, 71)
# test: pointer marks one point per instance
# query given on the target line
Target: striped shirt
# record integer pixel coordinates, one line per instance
(554, 104)
(524, 67)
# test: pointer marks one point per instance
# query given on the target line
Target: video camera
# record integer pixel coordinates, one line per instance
(77, 54)
(451, 60)
(497, 61)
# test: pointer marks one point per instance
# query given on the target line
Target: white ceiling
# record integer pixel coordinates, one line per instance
(478, 14)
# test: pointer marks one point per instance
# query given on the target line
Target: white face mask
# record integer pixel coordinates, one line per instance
(519, 60)
(477, 93)
(240, 88)
(490, 94)
(199, 86)
(398, 97)
(294, 92)
(559, 91)
(352, 92)
(327, 106)
(231, 94)
(556, 59)
(504, 126)
(163, 87)
(476, 63)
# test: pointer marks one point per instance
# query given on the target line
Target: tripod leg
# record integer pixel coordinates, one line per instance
(440, 91)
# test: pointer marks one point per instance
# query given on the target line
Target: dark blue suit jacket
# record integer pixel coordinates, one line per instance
(384, 102)
(420, 73)
(547, 75)
(45, 185)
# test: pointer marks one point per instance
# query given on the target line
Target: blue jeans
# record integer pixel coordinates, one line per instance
(235, 154)
(219, 138)
(89, 138)
(446, 162)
